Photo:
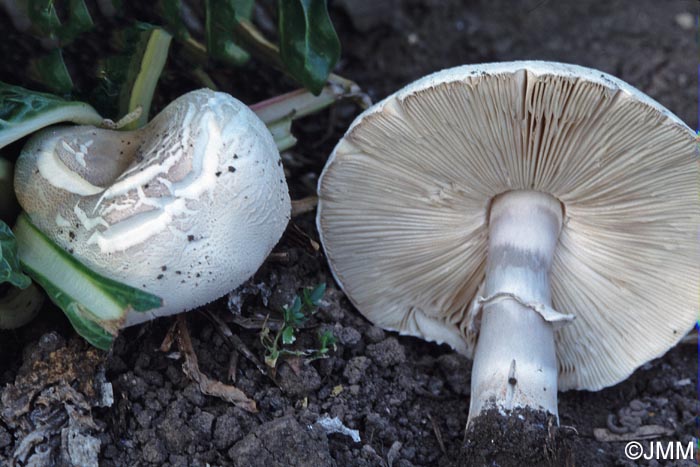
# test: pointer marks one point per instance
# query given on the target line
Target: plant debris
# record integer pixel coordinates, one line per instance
(207, 385)
(49, 405)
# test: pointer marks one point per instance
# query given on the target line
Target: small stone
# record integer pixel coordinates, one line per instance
(685, 21)
(152, 378)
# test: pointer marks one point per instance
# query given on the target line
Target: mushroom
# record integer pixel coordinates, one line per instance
(187, 208)
(540, 218)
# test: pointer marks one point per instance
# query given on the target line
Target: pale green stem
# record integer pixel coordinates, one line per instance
(279, 112)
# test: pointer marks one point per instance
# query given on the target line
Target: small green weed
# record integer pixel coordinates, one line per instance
(294, 316)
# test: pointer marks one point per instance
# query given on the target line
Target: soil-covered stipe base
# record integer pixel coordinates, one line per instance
(521, 436)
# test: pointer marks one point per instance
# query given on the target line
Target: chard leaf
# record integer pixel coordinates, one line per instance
(23, 112)
(221, 19)
(128, 79)
(10, 270)
(43, 17)
(96, 305)
(46, 23)
(50, 70)
(309, 46)
(85, 323)
(78, 22)
(173, 15)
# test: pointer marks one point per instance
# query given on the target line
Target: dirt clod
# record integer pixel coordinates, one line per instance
(355, 369)
(298, 384)
(457, 372)
(387, 353)
(227, 430)
(282, 443)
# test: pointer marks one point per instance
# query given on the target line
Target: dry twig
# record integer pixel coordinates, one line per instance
(438, 434)
(304, 205)
(207, 385)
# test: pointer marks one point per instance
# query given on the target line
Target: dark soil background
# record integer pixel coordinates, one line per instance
(408, 399)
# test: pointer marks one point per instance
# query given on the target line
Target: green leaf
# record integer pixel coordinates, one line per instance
(317, 294)
(221, 19)
(326, 340)
(95, 305)
(128, 79)
(293, 314)
(45, 21)
(50, 70)
(288, 335)
(10, 270)
(85, 323)
(43, 17)
(311, 298)
(23, 112)
(79, 21)
(309, 46)
(173, 15)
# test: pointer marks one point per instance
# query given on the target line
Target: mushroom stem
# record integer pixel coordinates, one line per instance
(515, 363)
(279, 111)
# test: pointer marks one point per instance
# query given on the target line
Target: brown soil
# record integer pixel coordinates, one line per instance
(408, 399)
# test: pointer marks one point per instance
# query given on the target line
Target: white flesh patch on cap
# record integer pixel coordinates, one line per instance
(57, 174)
(201, 180)
(138, 228)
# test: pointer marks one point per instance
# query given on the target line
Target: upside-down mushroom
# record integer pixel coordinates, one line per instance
(540, 218)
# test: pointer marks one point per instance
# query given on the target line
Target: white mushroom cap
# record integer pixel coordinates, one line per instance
(186, 208)
(404, 200)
